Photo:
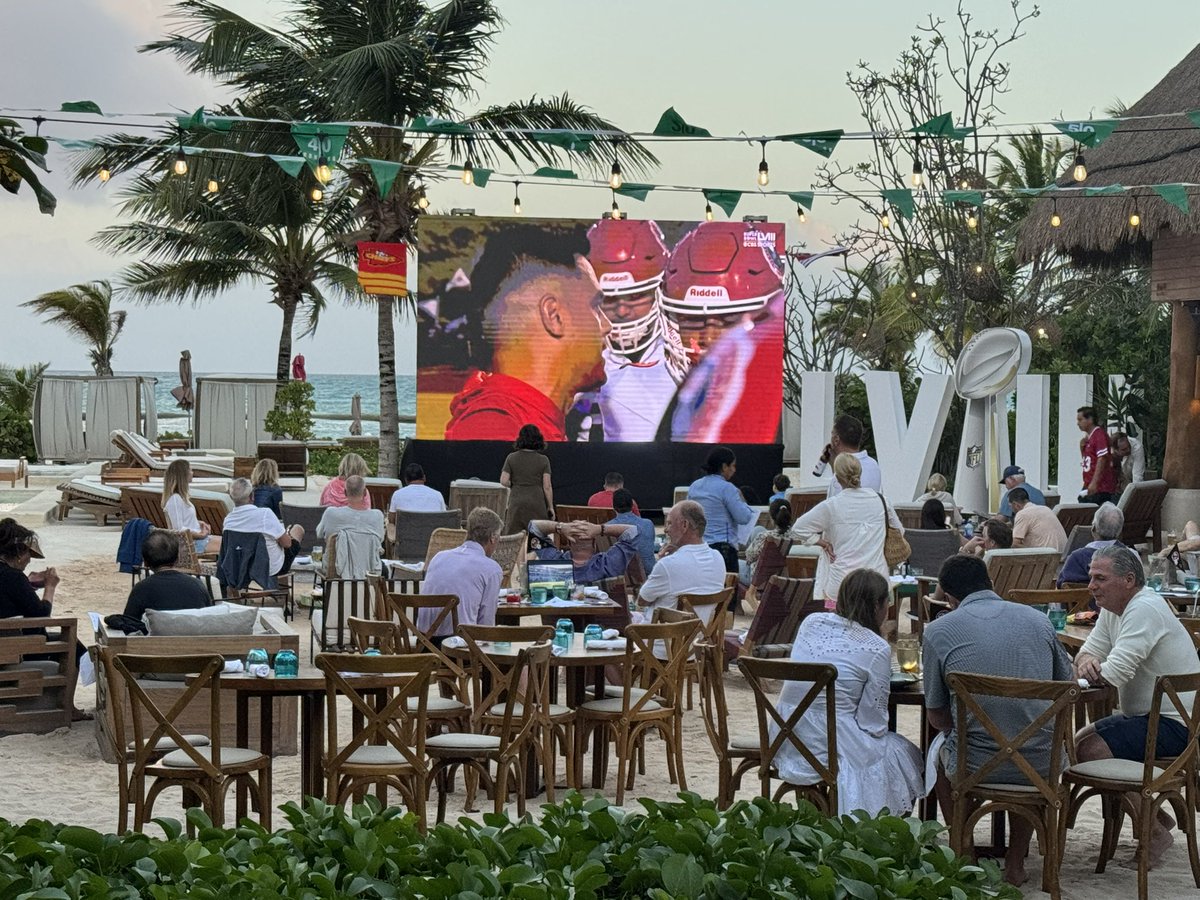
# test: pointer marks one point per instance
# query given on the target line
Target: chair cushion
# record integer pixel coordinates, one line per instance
(1112, 769)
(45, 666)
(615, 690)
(376, 755)
(230, 756)
(744, 742)
(1011, 788)
(613, 705)
(221, 618)
(462, 742)
(437, 704)
(519, 709)
(166, 743)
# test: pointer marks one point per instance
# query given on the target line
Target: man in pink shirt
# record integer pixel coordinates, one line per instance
(613, 482)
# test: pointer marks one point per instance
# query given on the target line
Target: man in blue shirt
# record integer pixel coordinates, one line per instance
(623, 504)
(1014, 476)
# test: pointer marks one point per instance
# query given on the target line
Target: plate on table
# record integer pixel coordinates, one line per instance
(902, 679)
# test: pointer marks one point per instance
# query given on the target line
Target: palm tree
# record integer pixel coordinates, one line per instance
(18, 385)
(386, 62)
(17, 152)
(257, 227)
(85, 310)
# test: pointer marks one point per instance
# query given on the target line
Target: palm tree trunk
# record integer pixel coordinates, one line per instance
(389, 411)
(283, 369)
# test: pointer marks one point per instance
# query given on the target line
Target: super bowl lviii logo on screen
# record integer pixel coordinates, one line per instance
(609, 330)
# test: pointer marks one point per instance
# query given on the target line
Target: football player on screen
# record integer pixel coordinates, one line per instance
(540, 335)
(628, 257)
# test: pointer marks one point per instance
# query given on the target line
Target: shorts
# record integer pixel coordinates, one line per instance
(289, 556)
(1126, 736)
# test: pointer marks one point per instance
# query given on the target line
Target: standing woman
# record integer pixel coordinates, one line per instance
(526, 474)
(181, 514)
(851, 527)
(724, 507)
(267, 492)
(334, 493)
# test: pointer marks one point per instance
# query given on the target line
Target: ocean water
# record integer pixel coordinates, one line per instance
(333, 394)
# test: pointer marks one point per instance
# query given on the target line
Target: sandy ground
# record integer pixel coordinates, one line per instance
(60, 776)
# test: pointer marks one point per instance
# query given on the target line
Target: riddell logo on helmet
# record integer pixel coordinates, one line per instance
(706, 293)
(758, 239)
(615, 279)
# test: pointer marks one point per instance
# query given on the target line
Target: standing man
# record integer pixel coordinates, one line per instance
(1099, 475)
(967, 640)
(686, 565)
(1131, 456)
(416, 496)
(1014, 477)
(847, 437)
(1035, 526)
(469, 573)
(1137, 638)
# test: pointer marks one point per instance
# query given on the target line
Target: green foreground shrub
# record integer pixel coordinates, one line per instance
(581, 848)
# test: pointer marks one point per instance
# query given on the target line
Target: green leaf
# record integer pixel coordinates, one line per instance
(518, 874)
(1090, 132)
(682, 876)
(820, 142)
(858, 889)
(83, 838)
(81, 106)
(671, 124)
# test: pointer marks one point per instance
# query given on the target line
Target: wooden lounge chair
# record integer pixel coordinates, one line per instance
(37, 674)
(12, 470)
(145, 502)
(468, 493)
(1072, 514)
(1142, 505)
(784, 604)
(380, 491)
(408, 533)
(1022, 568)
(597, 515)
(97, 500)
(135, 454)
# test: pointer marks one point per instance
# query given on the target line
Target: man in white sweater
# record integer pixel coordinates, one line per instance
(1137, 638)
(688, 566)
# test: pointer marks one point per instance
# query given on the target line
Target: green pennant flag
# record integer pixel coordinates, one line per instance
(384, 173)
(1194, 115)
(1175, 194)
(434, 125)
(202, 121)
(290, 164)
(1090, 132)
(1105, 191)
(479, 177)
(81, 106)
(317, 140)
(635, 191)
(727, 200)
(822, 142)
(902, 200)
(671, 124)
(1035, 191)
(802, 198)
(569, 140)
(942, 126)
(547, 172)
(951, 198)
(72, 144)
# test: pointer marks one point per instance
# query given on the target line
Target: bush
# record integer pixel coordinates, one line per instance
(16, 435)
(292, 416)
(582, 848)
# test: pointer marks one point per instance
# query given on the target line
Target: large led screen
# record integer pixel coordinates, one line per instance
(609, 330)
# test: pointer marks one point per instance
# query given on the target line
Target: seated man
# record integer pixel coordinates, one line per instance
(416, 496)
(469, 573)
(1014, 477)
(686, 564)
(589, 565)
(613, 482)
(627, 515)
(283, 544)
(1035, 526)
(994, 534)
(1136, 639)
(1107, 525)
(359, 531)
(167, 588)
(965, 640)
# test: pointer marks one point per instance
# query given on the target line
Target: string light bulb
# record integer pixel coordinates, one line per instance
(1134, 219)
(422, 199)
(708, 213)
(105, 172)
(324, 173)
(1079, 172)
(918, 171)
(800, 214)
(912, 294)
(1041, 332)
(468, 175)
(614, 179)
(884, 221)
(978, 269)
(972, 221)
(1055, 220)
(516, 198)
(316, 194)
(764, 171)
(213, 185)
(616, 210)
(180, 166)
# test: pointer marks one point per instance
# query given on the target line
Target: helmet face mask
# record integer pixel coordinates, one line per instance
(628, 257)
(634, 320)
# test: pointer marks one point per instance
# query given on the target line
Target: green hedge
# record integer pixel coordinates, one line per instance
(581, 848)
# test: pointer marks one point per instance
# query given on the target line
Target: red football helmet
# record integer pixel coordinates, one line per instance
(628, 257)
(721, 268)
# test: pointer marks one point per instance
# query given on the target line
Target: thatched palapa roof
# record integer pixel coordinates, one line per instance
(1166, 150)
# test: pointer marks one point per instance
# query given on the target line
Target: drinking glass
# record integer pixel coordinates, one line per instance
(1155, 582)
(537, 596)
(1058, 616)
(908, 654)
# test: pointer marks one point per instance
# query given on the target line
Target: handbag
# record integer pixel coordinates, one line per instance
(895, 547)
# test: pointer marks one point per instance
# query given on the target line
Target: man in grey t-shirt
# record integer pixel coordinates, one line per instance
(986, 635)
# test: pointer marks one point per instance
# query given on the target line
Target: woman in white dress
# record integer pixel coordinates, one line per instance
(181, 514)
(850, 528)
(877, 768)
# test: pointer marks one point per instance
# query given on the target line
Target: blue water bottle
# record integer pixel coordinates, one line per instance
(564, 633)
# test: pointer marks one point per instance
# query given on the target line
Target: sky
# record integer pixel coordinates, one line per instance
(755, 66)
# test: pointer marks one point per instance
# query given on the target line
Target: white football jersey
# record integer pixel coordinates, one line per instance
(635, 394)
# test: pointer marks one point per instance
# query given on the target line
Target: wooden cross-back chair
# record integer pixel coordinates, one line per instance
(1022, 569)
(1148, 782)
(1074, 600)
(341, 599)
(1193, 629)
(204, 772)
(822, 679)
(712, 629)
(509, 555)
(453, 710)
(651, 705)
(975, 794)
(408, 533)
(388, 749)
(742, 749)
(372, 634)
(514, 733)
(597, 515)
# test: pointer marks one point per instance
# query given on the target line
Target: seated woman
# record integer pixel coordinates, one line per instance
(334, 493)
(267, 492)
(933, 515)
(18, 590)
(766, 555)
(877, 768)
(181, 514)
(935, 489)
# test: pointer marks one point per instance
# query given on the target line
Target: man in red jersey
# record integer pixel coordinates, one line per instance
(1099, 475)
